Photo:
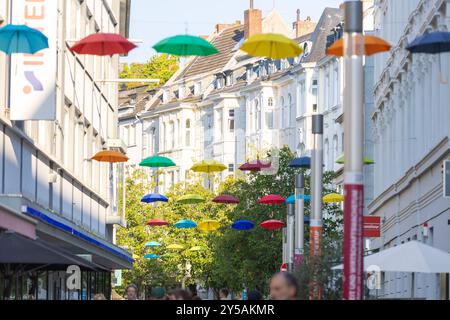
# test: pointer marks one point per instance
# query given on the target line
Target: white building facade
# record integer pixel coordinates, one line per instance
(411, 140)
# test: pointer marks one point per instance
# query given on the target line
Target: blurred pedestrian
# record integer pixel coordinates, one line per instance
(179, 294)
(99, 296)
(283, 286)
(157, 293)
(255, 295)
(223, 294)
(131, 292)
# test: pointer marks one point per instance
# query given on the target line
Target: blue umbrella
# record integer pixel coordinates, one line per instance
(153, 244)
(291, 199)
(21, 39)
(302, 162)
(154, 197)
(151, 256)
(185, 224)
(243, 225)
(433, 42)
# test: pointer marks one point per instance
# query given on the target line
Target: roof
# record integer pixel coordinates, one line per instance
(142, 97)
(225, 43)
(330, 18)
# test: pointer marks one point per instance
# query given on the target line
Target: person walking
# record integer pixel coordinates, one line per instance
(223, 294)
(283, 286)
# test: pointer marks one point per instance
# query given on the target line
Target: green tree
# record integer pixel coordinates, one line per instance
(160, 66)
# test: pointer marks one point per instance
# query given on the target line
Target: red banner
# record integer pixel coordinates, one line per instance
(371, 227)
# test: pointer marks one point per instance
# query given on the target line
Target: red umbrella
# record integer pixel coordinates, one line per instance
(254, 166)
(272, 199)
(157, 222)
(103, 44)
(227, 199)
(272, 224)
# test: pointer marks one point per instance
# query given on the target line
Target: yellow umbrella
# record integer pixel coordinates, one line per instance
(175, 247)
(333, 198)
(271, 45)
(197, 248)
(208, 225)
(208, 166)
(366, 160)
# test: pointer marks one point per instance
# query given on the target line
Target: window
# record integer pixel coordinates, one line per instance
(172, 134)
(231, 120)
(131, 135)
(231, 167)
(289, 114)
(315, 107)
(258, 116)
(229, 79)
(181, 92)
(165, 96)
(197, 88)
(326, 155)
(188, 133)
(335, 152)
(270, 102)
(327, 92)
(269, 119)
(283, 113)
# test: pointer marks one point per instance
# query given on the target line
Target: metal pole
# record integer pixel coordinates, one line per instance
(299, 218)
(316, 201)
(353, 150)
(290, 236)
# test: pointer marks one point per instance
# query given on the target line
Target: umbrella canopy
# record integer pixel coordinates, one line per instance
(21, 39)
(154, 197)
(272, 224)
(185, 224)
(226, 199)
(103, 44)
(157, 162)
(197, 248)
(185, 45)
(372, 45)
(243, 225)
(191, 199)
(209, 225)
(272, 199)
(152, 244)
(412, 256)
(432, 43)
(302, 162)
(333, 198)
(208, 166)
(366, 160)
(110, 156)
(175, 247)
(291, 198)
(151, 256)
(157, 222)
(273, 46)
(254, 166)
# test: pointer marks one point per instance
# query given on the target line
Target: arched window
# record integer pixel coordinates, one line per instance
(283, 113)
(289, 115)
(258, 116)
(188, 133)
(172, 134)
(164, 137)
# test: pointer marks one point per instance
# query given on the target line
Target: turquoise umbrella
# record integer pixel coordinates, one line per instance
(185, 224)
(21, 39)
(291, 199)
(151, 256)
(152, 244)
(185, 45)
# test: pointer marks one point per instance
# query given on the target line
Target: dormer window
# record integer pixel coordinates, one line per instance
(220, 82)
(181, 92)
(197, 88)
(229, 78)
(165, 96)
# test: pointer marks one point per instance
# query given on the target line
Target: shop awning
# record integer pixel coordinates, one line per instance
(17, 249)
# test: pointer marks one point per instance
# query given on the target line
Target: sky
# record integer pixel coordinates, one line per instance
(154, 20)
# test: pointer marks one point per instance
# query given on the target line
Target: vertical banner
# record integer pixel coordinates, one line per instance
(33, 77)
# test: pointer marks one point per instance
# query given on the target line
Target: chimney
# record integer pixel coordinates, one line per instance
(222, 26)
(303, 27)
(252, 21)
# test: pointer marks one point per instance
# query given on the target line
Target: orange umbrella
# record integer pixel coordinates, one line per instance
(110, 156)
(372, 46)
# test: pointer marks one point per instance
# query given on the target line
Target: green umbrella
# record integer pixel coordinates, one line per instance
(157, 162)
(366, 160)
(185, 45)
(191, 199)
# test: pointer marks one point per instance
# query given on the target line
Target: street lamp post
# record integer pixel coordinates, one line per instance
(353, 150)
(290, 236)
(299, 218)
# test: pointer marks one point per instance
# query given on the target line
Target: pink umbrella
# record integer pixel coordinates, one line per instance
(103, 44)
(272, 199)
(255, 166)
(272, 224)
(227, 199)
(157, 222)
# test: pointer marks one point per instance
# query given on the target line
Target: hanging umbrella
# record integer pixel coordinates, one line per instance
(157, 222)
(21, 39)
(243, 225)
(175, 247)
(272, 224)
(191, 199)
(185, 45)
(209, 225)
(151, 256)
(366, 160)
(185, 224)
(291, 198)
(372, 45)
(302, 163)
(196, 248)
(157, 162)
(154, 197)
(110, 156)
(103, 44)
(273, 46)
(333, 198)
(255, 166)
(208, 166)
(152, 244)
(272, 199)
(225, 199)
